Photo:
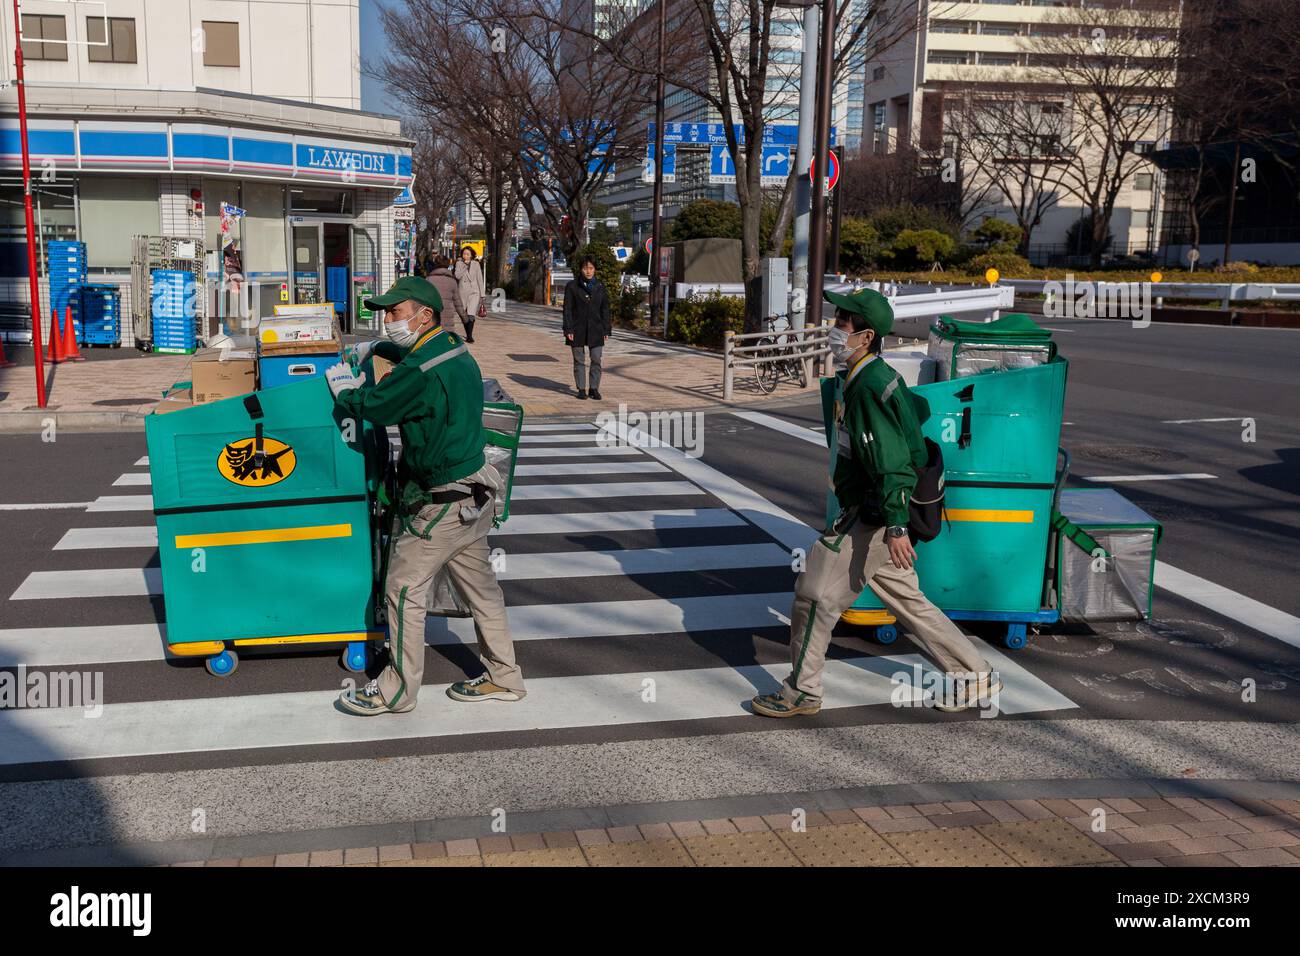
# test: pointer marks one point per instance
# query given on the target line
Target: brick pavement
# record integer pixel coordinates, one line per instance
(1143, 832)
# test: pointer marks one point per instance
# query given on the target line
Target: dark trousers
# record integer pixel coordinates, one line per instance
(580, 367)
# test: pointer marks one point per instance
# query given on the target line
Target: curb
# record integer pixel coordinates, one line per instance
(34, 421)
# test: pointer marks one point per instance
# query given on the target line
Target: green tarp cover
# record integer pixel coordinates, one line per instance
(1016, 328)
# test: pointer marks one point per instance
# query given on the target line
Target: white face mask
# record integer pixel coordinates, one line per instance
(401, 333)
(837, 340)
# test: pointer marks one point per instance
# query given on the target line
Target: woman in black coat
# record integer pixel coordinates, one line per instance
(586, 325)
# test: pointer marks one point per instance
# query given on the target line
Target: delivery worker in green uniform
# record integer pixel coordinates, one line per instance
(434, 394)
(879, 446)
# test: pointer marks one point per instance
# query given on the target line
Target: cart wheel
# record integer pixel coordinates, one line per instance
(223, 664)
(1016, 637)
(886, 634)
(355, 657)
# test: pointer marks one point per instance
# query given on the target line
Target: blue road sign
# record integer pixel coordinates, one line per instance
(714, 134)
(722, 169)
(776, 165)
(670, 163)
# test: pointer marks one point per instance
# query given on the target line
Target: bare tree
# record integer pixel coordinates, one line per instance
(436, 188)
(1116, 67)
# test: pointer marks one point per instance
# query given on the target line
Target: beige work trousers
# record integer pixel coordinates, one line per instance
(428, 540)
(840, 564)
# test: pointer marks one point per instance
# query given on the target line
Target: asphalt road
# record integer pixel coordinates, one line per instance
(265, 751)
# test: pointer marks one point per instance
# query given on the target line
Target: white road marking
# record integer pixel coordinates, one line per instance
(591, 468)
(587, 522)
(86, 539)
(143, 462)
(578, 564)
(136, 478)
(561, 427)
(82, 585)
(1190, 475)
(785, 427)
(80, 646)
(46, 506)
(614, 489)
(1236, 607)
(590, 436)
(581, 452)
(122, 503)
(307, 718)
(1192, 421)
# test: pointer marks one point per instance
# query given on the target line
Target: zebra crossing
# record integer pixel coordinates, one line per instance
(643, 587)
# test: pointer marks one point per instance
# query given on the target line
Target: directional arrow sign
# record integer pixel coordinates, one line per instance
(670, 163)
(722, 169)
(776, 165)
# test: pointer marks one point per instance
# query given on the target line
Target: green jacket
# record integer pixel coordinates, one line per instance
(434, 395)
(878, 441)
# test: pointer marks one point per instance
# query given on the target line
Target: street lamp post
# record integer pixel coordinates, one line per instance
(656, 225)
(821, 149)
(34, 279)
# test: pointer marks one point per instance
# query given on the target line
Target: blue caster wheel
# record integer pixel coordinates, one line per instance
(356, 657)
(886, 634)
(223, 664)
(1016, 637)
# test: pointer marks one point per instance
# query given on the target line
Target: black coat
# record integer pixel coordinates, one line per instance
(586, 317)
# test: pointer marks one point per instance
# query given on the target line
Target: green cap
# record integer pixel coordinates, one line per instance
(869, 303)
(408, 287)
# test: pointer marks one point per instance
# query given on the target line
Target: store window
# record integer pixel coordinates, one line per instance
(38, 27)
(332, 202)
(112, 39)
(113, 210)
(53, 212)
(264, 239)
(220, 43)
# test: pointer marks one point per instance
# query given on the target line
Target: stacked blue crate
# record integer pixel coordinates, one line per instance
(101, 314)
(174, 304)
(66, 267)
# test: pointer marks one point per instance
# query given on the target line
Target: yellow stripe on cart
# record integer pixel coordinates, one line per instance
(268, 536)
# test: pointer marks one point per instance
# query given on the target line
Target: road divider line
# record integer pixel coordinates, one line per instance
(785, 427)
(1184, 477)
(46, 506)
(1237, 607)
(309, 718)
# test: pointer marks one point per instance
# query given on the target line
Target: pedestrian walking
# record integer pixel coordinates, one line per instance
(442, 278)
(473, 289)
(879, 449)
(586, 325)
(434, 395)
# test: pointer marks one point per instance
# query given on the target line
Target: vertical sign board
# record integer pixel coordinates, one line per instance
(670, 163)
(776, 165)
(721, 167)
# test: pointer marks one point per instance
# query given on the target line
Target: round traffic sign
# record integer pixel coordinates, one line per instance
(835, 170)
(649, 245)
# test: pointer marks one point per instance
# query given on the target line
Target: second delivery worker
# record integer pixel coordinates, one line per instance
(434, 394)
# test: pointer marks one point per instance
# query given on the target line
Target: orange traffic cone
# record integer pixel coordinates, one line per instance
(54, 352)
(71, 352)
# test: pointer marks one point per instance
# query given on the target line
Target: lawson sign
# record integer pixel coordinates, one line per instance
(344, 161)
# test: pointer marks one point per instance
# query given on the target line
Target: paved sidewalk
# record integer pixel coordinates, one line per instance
(1139, 832)
(522, 348)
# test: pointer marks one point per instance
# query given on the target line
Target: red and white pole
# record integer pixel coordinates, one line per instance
(27, 209)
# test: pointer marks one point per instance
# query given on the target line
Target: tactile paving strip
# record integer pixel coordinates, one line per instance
(1045, 843)
(850, 844)
(649, 853)
(552, 856)
(958, 846)
(740, 849)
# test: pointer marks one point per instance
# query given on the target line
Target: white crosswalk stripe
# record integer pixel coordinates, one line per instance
(582, 452)
(133, 478)
(590, 468)
(613, 489)
(560, 427)
(122, 503)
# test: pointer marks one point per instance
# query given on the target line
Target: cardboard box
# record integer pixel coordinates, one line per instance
(214, 379)
(175, 400)
(381, 367)
(296, 328)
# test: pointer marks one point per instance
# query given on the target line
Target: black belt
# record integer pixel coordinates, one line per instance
(448, 497)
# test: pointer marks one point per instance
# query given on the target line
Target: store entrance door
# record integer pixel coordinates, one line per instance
(322, 265)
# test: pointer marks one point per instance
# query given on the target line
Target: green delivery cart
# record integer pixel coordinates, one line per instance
(269, 521)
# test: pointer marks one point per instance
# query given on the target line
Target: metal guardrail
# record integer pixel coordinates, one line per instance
(1225, 293)
(779, 345)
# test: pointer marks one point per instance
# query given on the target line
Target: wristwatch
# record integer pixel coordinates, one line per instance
(896, 531)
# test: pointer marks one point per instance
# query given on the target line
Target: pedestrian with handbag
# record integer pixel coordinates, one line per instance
(443, 279)
(473, 289)
(586, 325)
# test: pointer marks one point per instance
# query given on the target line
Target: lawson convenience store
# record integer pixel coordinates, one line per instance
(321, 191)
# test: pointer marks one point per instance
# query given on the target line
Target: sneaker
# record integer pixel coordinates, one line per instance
(582, 393)
(368, 702)
(594, 394)
(961, 694)
(480, 688)
(775, 705)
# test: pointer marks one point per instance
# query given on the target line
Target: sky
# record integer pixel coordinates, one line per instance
(374, 94)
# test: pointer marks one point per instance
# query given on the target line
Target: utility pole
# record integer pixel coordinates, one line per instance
(802, 158)
(34, 279)
(656, 225)
(1232, 203)
(821, 150)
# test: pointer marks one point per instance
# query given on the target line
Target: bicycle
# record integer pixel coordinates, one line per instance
(781, 342)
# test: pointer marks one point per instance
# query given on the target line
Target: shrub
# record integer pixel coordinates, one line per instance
(1239, 267)
(859, 244)
(627, 307)
(703, 320)
(1008, 264)
(997, 234)
(895, 219)
(913, 248)
(706, 219)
